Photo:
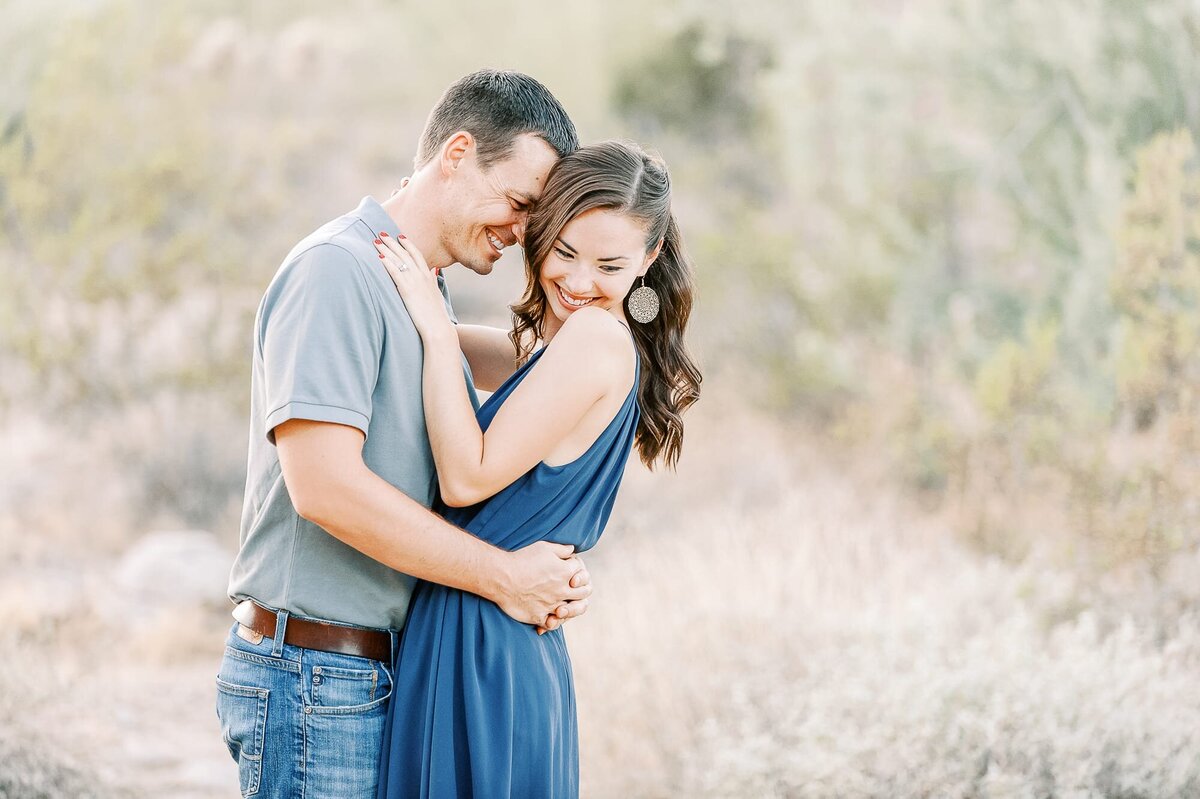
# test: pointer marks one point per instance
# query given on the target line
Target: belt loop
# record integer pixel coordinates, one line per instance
(280, 631)
(395, 638)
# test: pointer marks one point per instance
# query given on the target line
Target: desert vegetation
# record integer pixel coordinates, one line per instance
(936, 531)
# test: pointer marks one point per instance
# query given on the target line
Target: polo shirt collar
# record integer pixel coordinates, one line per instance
(371, 212)
(376, 218)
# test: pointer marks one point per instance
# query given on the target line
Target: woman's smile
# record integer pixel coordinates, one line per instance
(572, 300)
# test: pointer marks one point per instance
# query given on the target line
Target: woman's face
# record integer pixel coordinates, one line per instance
(594, 261)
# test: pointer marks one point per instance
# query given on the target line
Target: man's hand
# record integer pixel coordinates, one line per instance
(539, 582)
(569, 610)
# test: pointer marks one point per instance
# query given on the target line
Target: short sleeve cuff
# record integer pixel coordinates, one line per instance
(315, 413)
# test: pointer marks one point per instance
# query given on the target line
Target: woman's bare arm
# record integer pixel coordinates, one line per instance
(589, 359)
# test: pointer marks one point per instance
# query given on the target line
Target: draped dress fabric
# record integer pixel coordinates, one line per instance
(482, 706)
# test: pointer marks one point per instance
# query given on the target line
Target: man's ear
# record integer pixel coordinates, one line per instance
(455, 150)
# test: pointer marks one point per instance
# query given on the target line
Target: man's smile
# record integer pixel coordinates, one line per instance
(496, 242)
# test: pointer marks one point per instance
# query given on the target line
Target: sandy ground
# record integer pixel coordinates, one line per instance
(127, 713)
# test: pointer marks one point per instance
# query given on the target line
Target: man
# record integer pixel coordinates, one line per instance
(336, 524)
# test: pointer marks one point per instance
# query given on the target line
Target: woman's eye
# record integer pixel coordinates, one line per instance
(610, 270)
(566, 256)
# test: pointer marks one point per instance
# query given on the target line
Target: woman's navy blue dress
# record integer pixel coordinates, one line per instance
(482, 706)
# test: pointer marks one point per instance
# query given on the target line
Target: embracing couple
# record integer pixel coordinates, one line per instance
(408, 556)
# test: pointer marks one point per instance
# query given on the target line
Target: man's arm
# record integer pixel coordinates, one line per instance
(490, 352)
(331, 486)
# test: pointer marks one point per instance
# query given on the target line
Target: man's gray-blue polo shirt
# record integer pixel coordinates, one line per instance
(333, 343)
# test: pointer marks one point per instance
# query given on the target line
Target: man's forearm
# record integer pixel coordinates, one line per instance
(330, 485)
(366, 512)
(490, 352)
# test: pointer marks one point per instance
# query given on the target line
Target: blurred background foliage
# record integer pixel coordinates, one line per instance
(959, 241)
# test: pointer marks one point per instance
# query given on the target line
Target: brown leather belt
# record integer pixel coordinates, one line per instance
(316, 634)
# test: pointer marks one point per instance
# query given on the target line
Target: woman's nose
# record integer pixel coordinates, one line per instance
(577, 281)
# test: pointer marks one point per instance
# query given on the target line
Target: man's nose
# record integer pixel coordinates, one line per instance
(518, 228)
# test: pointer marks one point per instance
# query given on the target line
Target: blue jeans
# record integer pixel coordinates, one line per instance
(301, 722)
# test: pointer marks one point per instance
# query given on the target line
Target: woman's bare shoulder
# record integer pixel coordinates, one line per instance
(597, 339)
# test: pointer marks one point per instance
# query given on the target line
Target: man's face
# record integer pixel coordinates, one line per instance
(491, 205)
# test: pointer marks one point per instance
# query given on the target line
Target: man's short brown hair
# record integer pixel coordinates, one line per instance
(496, 107)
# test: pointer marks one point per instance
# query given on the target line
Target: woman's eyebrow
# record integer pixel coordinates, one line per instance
(563, 242)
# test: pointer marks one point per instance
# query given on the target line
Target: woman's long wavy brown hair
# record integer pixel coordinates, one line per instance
(620, 176)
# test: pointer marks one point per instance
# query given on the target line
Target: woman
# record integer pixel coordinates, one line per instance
(483, 705)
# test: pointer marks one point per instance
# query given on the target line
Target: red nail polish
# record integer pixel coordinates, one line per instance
(379, 241)
(403, 236)
(381, 256)
(383, 235)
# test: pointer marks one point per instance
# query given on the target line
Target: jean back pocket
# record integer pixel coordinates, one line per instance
(242, 711)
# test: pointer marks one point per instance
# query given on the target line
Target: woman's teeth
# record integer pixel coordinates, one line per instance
(573, 303)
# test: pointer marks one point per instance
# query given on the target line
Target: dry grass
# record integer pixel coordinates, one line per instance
(798, 635)
(767, 623)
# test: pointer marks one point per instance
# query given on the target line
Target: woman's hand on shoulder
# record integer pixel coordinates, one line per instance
(416, 282)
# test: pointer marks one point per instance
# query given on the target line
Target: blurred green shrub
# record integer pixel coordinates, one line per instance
(1011, 380)
(1156, 290)
(700, 81)
(943, 232)
(1156, 283)
(1125, 472)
